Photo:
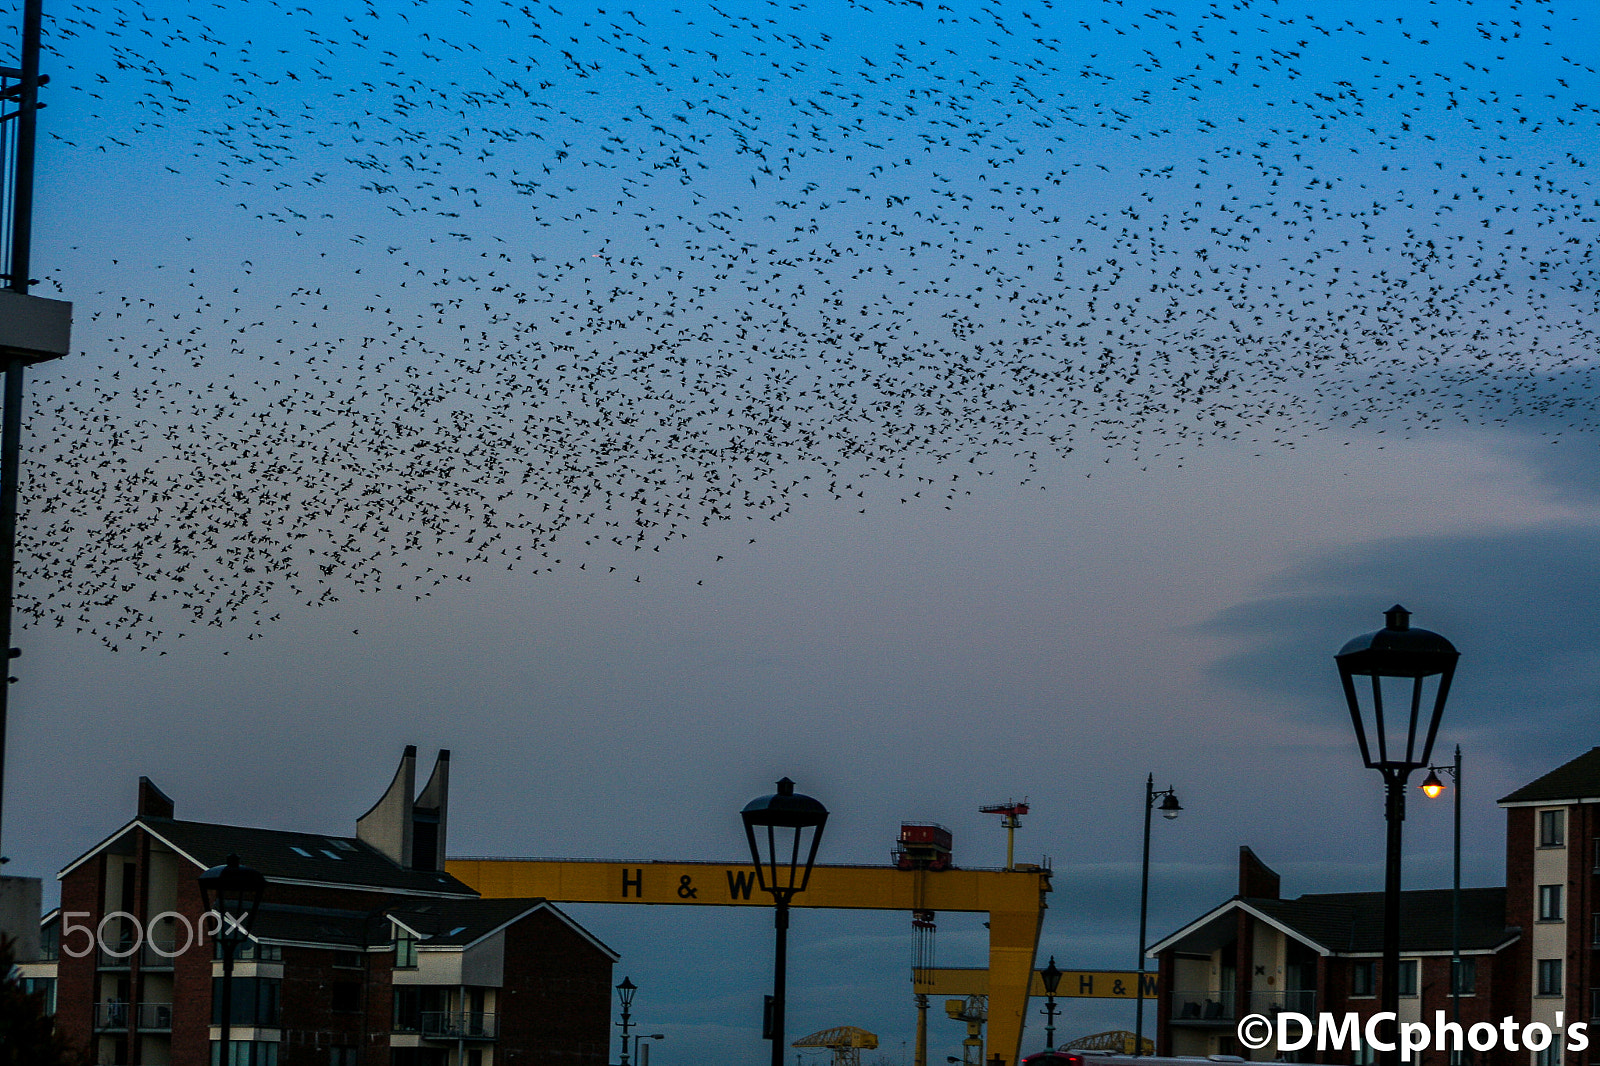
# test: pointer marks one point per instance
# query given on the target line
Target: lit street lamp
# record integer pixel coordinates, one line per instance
(625, 990)
(1169, 810)
(233, 893)
(1406, 659)
(1431, 787)
(1051, 976)
(792, 823)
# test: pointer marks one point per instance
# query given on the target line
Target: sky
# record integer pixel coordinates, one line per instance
(935, 404)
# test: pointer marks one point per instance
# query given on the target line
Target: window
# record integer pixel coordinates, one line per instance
(405, 949)
(1550, 903)
(1552, 829)
(1363, 1055)
(41, 986)
(344, 1056)
(1408, 977)
(255, 1002)
(347, 960)
(1551, 1054)
(245, 1053)
(1550, 977)
(1465, 978)
(1361, 978)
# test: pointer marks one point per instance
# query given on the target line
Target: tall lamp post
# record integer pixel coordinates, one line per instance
(1431, 787)
(233, 893)
(1169, 810)
(625, 990)
(1406, 659)
(791, 823)
(1051, 976)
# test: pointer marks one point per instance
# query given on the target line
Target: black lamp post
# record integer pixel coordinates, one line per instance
(1051, 976)
(625, 990)
(792, 823)
(233, 893)
(1169, 810)
(1406, 659)
(1431, 787)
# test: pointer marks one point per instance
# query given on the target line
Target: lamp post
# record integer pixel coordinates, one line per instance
(644, 1058)
(625, 990)
(1397, 654)
(233, 893)
(1051, 976)
(792, 823)
(1169, 810)
(1431, 787)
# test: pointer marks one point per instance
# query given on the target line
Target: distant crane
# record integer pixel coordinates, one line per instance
(974, 1010)
(845, 1041)
(1012, 820)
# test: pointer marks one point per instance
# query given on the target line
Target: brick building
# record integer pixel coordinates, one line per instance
(1529, 950)
(1260, 954)
(365, 953)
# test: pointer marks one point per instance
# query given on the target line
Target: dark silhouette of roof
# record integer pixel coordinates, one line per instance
(1578, 779)
(314, 858)
(1352, 922)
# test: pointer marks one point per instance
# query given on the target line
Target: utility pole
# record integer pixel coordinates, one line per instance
(32, 329)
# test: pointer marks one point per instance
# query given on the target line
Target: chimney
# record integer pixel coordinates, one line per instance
(153, 803)
(387, 826)
(1257, 880)
(430, 817)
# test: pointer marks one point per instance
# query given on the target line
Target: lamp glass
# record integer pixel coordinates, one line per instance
(1396, 681)
(784, 831)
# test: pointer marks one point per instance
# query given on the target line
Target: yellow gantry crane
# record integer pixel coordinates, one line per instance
(1013, 899)
(845, 1041)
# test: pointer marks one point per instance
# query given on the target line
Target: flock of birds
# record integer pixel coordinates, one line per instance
(434, 288)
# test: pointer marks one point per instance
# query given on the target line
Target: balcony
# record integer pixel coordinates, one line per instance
(457, 1025)
(1203, 1008)
(112, 1014)
(1212, 1008)
(155, 1017)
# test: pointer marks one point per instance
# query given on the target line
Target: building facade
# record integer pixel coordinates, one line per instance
(364, 953)
(1529, 950)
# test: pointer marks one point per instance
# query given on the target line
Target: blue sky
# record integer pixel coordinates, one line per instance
(932, 405)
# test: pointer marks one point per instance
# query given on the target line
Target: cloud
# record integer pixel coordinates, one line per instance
(1519, 604)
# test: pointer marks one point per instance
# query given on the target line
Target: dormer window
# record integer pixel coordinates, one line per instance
(405, 948)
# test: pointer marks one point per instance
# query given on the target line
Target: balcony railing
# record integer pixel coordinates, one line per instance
(1198, 1007)
(112, 1014)
(458, 1025)
(157, 1016)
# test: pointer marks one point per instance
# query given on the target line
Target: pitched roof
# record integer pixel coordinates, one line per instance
(1576, 780)
(305, 858)
(1351, 923)
(447, 923)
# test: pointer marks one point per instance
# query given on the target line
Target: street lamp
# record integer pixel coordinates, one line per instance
(793, 823)
(1169, 810)
(1406, 659)
(233, 893)
(1051, 976)
(625, 990)
(644, 1060)
(1431, 787)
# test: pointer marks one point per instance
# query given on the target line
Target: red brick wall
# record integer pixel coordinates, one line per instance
(81, 890)
(555, 1003)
